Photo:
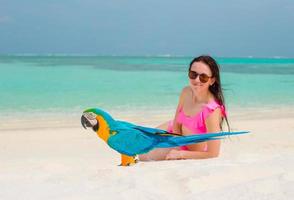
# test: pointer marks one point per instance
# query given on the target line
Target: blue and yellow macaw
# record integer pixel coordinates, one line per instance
(130, 139)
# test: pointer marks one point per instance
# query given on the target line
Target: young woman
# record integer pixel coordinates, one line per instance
(200, 110)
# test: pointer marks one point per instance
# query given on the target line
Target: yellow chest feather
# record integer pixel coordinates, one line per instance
(103, 131)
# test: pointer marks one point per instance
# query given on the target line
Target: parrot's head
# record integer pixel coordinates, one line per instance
(98, 120)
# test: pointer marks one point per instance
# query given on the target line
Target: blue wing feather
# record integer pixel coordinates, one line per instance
(143, 128)
(192, 139)
(131, 142)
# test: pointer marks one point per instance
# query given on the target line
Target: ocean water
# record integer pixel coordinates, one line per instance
(70, 84)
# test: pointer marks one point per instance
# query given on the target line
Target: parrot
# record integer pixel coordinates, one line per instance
(131, 140)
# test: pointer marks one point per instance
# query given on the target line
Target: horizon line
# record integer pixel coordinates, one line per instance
(146, 55)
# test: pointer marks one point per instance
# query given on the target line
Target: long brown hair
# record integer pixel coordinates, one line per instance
(216, 88)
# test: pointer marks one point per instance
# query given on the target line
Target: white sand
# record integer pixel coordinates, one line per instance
(54, 161)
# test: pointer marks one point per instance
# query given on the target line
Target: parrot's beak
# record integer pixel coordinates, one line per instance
(89, 120)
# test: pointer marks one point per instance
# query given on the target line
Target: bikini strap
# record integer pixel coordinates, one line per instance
(211, 106)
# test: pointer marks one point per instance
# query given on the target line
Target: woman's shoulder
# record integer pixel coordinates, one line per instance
(186, 90)
(213, 104)
(214, 107)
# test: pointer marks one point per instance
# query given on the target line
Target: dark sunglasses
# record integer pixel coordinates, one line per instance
(202, 77)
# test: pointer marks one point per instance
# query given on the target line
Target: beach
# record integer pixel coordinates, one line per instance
(146, 63)
(46, 154)
(58, 159)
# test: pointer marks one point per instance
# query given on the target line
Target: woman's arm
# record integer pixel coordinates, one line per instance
(176, 125)
(213, 147)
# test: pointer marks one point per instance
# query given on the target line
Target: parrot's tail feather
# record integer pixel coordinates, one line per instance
(167, 142)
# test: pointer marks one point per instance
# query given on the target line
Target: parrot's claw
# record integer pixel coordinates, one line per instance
(128, 164)
(128, 160)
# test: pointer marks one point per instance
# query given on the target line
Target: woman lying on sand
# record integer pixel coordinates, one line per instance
(201, 109)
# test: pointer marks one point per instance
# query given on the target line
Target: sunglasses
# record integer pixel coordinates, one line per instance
(202, 77)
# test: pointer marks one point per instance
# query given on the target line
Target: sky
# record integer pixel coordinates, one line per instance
(227, 28)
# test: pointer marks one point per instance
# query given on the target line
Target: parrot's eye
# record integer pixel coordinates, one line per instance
(96, 127)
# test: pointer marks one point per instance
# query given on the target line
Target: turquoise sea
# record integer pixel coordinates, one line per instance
(69, 84)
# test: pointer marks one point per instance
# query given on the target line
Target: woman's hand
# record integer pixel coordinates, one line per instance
(174, 154)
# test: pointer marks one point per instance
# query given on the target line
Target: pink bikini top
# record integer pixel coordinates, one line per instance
(197, 123)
